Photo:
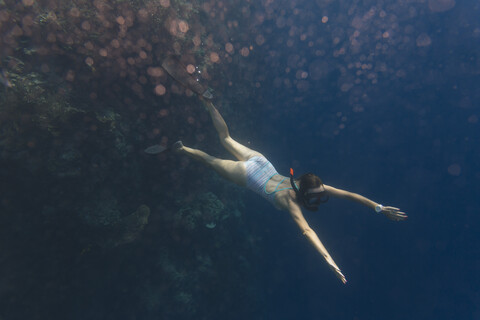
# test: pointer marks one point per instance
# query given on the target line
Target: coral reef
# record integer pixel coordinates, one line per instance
(84, 214)
(205, 210)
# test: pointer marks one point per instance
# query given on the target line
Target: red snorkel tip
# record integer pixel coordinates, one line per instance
(291, 172)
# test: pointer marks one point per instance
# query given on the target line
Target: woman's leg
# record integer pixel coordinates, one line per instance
(231, 170)
(236, 149)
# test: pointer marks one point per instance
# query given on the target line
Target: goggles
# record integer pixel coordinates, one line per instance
(315, 196)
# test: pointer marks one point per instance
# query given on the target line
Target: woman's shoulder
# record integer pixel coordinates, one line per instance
(285, 199)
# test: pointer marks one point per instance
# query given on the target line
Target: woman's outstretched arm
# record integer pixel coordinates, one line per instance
(390, 212)
(298, 217)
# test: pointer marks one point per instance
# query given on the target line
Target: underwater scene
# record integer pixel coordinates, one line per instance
(239, 159)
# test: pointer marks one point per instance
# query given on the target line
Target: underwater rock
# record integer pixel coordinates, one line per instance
(133, 225)
(125, 230)
(206, 210)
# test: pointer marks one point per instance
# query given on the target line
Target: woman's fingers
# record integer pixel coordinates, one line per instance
(397, 216)
(339, 274)
(394, 213)
(391, 208)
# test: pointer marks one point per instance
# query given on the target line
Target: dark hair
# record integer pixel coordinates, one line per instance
(308, 181)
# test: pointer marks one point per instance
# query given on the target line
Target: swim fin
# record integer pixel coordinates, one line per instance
(178, 71)
(155, 149)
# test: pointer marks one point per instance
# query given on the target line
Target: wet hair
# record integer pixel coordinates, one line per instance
(308, 181)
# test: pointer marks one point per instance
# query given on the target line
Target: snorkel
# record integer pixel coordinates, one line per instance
(294, 185)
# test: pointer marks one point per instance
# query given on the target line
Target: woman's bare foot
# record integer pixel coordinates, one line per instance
(177, 146)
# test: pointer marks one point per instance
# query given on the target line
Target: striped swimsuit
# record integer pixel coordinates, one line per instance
(259, 172)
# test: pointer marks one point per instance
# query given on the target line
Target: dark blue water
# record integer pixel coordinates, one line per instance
(380, 98)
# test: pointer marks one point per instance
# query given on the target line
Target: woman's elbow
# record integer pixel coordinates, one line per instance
(306, 231)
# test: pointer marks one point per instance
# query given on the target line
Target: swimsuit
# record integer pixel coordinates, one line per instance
(259, 172)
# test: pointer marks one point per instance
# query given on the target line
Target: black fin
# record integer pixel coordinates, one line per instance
(155, 149)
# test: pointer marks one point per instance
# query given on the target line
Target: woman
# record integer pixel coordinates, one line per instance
(254, 171)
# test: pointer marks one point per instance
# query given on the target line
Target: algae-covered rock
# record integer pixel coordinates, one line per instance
(125, 230)
(133, 224)
(206, 210)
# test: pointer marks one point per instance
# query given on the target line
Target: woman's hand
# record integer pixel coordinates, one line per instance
(393, 213)
(338, 273)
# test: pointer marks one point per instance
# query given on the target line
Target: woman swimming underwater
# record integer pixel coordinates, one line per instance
(254, 171)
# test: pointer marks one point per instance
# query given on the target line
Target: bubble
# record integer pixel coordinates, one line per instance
(190, 68)
(89, 61)
(115, 43)
(143, 14)
(473, 119)
(245, 51)
(28, 3)
(301, 74)
(103, 52)
(74, 12)
(183, 26)
(120, 20)
(441, 5)
(260, 40)
(423, 40)
(163, 112)
(86, 25)
(214, 57)
(229, 47)
(165, 3)
(454, 169)
(160, 90)
(324, 19)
